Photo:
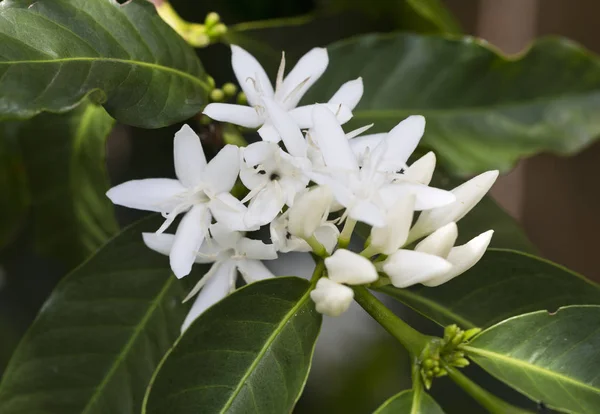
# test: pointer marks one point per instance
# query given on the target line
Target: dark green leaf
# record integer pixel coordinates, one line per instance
(55, 53)
(483, 111)
(435, 12)
(409, 402)
(552, 358)
(100, 335)
(64, 161)
(249, 353)
(503, 284)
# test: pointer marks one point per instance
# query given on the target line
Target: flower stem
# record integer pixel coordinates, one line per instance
(413, 340)
(346, 234)
(318, 272)
(368, 252)
(317, 247)
(487, 400)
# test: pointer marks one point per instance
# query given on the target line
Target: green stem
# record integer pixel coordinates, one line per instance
(487, 400)
(318, 272)
(413, 340)
(317, 247)
(346, 234)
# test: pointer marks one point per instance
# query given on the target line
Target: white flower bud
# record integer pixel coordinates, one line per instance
(406, 267)
(463, 258)
(347, 267)
(331, 298)
(390, 238)
(421, 171)
(440, 242)
(467, 196)
(308, 211)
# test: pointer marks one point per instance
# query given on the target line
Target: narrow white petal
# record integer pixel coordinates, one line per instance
(215, 289)
(302, 115)
(350, 268)
(463, 258)
(440, 242)
(425, 197)
(241, 115)
(250, 75)
(286, 127)
(331, 298)
(230, 211)
(189, 157)
(161, 243)
(309, 69)
(356, 132)
(467, 196)
(393, 235)
(406, 267)
(404, 138)
(367, 213)
(222, 171)
(254, 270)
(349, 93)
(421, 171)
(265, 206)
(256, 249)
(268, 133)
(152, 194)
(188, 239)
(308, 211)
(330, 138)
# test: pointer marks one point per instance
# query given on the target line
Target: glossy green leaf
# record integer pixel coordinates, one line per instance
(503, 284)
(64, 161)
(101, 334)
(410, 402)
(550, 357)
(435, 12)
(483, 111)
(249, 353)
(55, 53)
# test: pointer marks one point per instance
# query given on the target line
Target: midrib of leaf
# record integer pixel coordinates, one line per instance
(128, 345)
(153, 66)
(264, 349)
(524, 365)
(416, 400)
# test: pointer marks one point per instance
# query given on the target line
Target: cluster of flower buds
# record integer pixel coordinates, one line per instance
(310, 182)
(196, 34)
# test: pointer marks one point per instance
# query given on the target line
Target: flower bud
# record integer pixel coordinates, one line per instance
(463, 258)
(390, 238)
(229, 89)
(212, 18)
(467, 196)
(308, 211)
(347, 267)
(421, 171)
(406, 267)
(440, 242)
(331, 298)
(217, 95)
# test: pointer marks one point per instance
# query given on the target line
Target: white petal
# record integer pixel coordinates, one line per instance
(188, 239)
(189, 156)
(286, 127)
(152, 194)
(308, 211)
(330, 137)
(331, 298)
(349, 93)
(440, 242)
(360, 145)
(309, 69)
(254, 270)
(282, 239)
(367, 213)
(426, 197)
(303, 114)
(467, 196)
(463, 258)
(350, 268)
(403, 139)
(241, 115)
(265, 206)
(421, 171)
(216, 288)
(327, 235)
(230, 211)
(250, 75)
(406, 267)
(222, 234)
(356, 132)
(268, 133)
(159, 242)
(340, 189)
(256, 249)
(393, 235)
(222, 171)
(258, 152)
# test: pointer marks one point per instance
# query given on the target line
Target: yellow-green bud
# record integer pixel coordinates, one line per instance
(211, 81)
(471, 333)
(429, 363)
(230, 89)
(212, 19)
(450, 331)
(205, 120)
(458, 339)
(461, 362)
(241, 99)
(218, 30)
(217, 95)
(436, 370)
(442, 372)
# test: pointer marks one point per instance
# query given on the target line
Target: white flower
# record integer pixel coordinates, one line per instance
(467, 195)
(406, 267)
(421, 171)
(309, 212)
(327, 234)
(288, 92)
(229, 252)
(331, 298)
(350, 268)
(367, 184)
(201, 190)
(393, 235)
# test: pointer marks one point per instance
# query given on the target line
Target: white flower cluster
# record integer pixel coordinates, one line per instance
(304, 179)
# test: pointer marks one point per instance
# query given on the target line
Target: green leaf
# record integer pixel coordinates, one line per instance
(552, 358)
(64, 161)
(437, 14)
(250, 352)
(410, 402)
(503, 284)
(483, 111)
(55, 53)
(101, 334)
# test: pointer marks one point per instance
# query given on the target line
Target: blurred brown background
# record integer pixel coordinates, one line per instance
(556, 199)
